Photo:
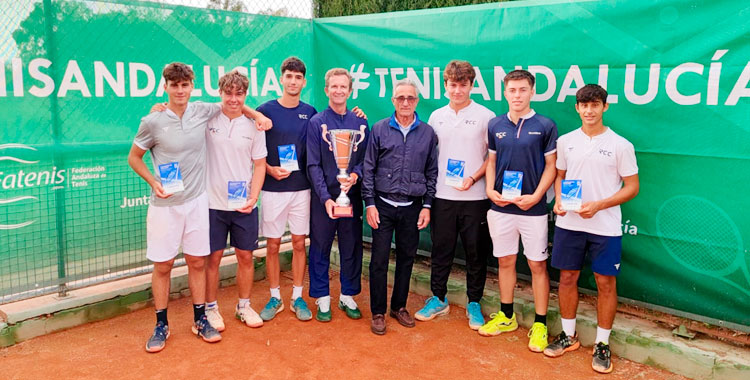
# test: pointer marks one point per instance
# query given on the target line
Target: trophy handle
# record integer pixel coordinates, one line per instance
(325, 136)
(361, 136)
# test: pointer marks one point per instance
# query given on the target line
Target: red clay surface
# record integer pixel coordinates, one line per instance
(285, 348)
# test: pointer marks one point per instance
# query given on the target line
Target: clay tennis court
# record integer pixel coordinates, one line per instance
(285, 348)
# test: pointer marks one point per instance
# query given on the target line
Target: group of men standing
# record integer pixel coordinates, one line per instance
(448, 172)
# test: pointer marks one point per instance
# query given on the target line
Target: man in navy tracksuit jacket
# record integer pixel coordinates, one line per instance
(322, 171)
(398, 186)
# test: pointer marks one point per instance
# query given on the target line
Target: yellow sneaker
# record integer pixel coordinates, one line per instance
(538, 337)
(499, 324)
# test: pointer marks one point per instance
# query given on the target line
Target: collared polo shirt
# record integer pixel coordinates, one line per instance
(232, 146)
(170, 138)
(522, 147)
(600, 162)
(461, 136)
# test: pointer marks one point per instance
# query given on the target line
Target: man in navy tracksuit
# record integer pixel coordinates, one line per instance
(322, 171)
(398, 185)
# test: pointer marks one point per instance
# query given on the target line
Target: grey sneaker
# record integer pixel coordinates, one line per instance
(300, 309)
(602, 361)
(159, 339)
(273, 307)
(561, 345)
(204, 330)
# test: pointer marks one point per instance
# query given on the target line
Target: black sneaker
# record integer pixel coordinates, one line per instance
(602, 361)
(562, 344)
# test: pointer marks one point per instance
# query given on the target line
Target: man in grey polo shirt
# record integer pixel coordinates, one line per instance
(178, 212)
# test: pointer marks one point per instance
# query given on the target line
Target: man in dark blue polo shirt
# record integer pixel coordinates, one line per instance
(398, 187)
(322, 171)
(521, 167)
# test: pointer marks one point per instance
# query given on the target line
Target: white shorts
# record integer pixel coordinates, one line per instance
(505, 229)
(278, 208)
(171, 226)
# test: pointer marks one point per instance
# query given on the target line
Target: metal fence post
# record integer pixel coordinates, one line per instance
(57, 159)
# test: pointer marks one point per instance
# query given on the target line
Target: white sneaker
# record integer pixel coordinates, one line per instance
(248, 316)
(215, 319)
(324, 303)
(348, 301)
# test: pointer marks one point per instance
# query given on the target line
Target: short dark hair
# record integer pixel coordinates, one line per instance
(519, 75)
(178, 72)
(459, 71)
(591, 93)
(293, 64)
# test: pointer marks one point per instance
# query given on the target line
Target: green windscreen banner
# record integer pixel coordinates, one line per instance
(678, 75)
(76, 78)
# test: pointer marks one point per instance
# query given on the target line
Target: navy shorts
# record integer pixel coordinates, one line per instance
(569, 250)
(241, 228)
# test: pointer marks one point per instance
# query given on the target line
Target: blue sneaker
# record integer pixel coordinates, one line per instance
(202, 329)
(273, 307)
(432, 308)
(299, 307)
(474, 312)
(157, 341)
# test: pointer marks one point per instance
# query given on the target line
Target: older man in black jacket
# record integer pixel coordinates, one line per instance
(398, 186)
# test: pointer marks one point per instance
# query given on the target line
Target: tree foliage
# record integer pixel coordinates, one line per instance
(332, 8)
(227, 5)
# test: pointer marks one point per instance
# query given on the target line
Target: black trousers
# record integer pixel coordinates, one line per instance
(467, 219)
(402, 221)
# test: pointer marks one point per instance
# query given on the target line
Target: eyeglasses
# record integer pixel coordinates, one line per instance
(409, 99)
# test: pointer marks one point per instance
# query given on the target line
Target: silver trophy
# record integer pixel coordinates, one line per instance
(343, 142)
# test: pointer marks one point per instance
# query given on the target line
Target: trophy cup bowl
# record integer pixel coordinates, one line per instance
(343, 142)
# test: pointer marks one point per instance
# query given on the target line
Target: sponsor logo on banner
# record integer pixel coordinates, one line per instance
(30, 175)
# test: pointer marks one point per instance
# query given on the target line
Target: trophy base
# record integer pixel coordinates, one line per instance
(343, 211)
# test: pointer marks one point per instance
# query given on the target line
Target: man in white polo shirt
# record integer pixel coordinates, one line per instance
(600, 165)
(460, 205)
(236, 170)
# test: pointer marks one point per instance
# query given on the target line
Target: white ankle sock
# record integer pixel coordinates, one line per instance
(602, 335)
(276, 292)
(212, 305)
(348, 301)
(324, 303)
(296, 292)
(569, 326)
(243, 302)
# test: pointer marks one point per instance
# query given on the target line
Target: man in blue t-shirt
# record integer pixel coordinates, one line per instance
(286, 190)
(322, 171)
(521, 168)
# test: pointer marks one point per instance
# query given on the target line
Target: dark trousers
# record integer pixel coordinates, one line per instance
(322, 231)
(468, 219)
(402, 221)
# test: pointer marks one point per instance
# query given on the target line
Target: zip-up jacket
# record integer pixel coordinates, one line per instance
(398, 167)
(321, 165)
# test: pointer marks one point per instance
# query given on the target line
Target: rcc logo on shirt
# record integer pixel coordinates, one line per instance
(470, 122)
(500, 135)
(605, 153)
(302, 116)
